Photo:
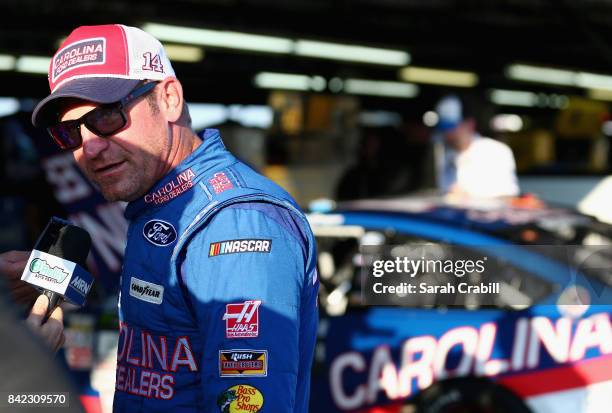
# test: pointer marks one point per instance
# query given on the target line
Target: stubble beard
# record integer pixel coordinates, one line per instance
(128, 187)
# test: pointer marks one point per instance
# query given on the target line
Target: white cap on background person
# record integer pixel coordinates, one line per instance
(450, 113)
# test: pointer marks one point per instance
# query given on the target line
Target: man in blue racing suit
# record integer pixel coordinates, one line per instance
(219, 287)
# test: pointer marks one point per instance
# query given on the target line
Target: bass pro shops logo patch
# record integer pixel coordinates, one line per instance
(241, 398)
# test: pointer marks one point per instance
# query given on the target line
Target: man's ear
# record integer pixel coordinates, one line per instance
(171, 98)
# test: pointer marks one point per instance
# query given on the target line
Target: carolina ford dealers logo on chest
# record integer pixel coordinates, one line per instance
(160, 233)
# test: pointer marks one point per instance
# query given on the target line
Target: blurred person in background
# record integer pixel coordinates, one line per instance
(472, 165)
(219, 285)
(382, 167)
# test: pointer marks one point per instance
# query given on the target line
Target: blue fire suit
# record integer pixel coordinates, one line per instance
(218, 296)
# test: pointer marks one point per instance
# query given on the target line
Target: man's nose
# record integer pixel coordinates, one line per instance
(93, 144)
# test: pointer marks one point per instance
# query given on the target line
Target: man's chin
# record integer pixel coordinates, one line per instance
(112, 194)
(120, 190)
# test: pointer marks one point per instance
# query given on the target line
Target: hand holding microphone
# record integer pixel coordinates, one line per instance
(50, 331)
(12, 264)
(56, 266)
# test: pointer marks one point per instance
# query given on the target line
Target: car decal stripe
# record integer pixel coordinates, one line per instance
(567, 377)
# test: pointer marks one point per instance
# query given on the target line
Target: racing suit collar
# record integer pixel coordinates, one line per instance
(210, 156)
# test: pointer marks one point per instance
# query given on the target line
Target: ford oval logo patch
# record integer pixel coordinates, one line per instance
(160, 233)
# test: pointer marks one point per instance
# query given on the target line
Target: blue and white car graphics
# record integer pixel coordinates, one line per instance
(553, 358)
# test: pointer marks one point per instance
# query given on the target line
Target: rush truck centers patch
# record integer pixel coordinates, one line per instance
(243, 363)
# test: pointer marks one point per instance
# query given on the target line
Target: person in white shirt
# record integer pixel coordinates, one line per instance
(473, 165)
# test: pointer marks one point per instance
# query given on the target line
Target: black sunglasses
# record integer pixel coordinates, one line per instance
(105, 120)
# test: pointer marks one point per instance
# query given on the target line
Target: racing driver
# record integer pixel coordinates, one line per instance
(218, 289)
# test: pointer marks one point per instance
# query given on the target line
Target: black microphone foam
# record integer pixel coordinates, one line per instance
(68, 242)
(65, 241)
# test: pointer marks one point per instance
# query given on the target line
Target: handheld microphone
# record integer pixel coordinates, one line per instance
(56, 266)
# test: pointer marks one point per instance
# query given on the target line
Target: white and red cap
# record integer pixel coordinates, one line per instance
(101, 64)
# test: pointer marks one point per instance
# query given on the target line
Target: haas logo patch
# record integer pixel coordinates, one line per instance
(160, 233)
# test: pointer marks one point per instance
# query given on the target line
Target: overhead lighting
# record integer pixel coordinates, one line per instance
(506, 122)
(513, 98)
(558, 101)
(336, 84)
(380, 88)
(33, 64)
(7, 62)
(220, 38)
(559, 77)
(182, 53)
(206, 115)
(504, 97)
(289, 81)
(541, 75)
(175, 52)
(600, 94)
(256, 116)
(364, 54)
(439, 76)
(379, 118)
(274, 44)
(8, 106)
(593, 80)
(318, 83)
(430, 118)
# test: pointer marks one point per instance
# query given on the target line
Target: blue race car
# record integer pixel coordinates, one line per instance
(543, 347)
